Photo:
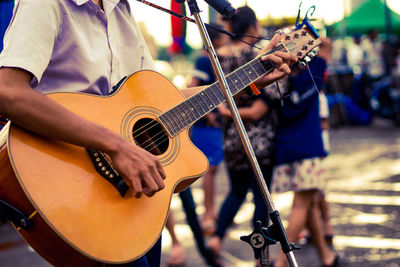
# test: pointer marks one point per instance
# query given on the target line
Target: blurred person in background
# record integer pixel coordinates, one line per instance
(373, 55)
(320, 197)
(260, 120)
(299, 152)
(355, 53)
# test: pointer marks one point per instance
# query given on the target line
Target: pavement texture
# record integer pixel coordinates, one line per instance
(363, 191)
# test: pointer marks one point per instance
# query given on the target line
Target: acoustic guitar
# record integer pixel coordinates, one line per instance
(82, 212)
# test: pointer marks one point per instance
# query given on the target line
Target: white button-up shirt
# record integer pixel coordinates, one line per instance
(73, 45)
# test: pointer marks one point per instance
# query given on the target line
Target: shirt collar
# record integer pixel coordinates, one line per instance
(81, 2)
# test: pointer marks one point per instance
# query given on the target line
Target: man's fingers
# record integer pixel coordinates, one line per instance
(148, 192)
(278, 61)
(157, 179)
(149, 186)
(285, 69)
(160, 170)
(285, 57)
(272, 43)
(137, 188)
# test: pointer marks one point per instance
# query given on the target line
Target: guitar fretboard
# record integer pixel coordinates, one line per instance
(192, 109)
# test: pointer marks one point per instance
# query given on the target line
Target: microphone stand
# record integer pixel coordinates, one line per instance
(261, 236)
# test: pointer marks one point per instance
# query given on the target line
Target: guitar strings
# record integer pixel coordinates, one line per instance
(154, 123)
(153, 143)
(258, 57)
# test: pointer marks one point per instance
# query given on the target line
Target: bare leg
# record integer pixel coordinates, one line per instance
(209, 217)
(305, 212)
(326, 220)
(209, 192)
(177, 253)
(314, 224)
(302, 202)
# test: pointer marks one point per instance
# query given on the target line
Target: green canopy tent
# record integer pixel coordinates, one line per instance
(370, 15)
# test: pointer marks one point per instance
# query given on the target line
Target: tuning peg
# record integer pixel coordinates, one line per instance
(307, 59)
(314, 52)
(302, 64)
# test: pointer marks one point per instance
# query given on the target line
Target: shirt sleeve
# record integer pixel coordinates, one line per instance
(30, 37)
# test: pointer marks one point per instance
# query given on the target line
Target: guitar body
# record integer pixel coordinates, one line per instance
(84, 212)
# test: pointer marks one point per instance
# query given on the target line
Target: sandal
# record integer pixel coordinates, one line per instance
(329, 239)
(335, 263)
(176, 256)
(215, 246)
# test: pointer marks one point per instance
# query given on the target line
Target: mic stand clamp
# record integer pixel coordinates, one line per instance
(259, 240)
(262, 237)
(274, 215)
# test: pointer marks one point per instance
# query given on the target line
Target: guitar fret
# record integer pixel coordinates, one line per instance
(206, 100)
(258, 62)
(254, 68)
(250, 80)
(216, 97)
(201, 110)
(174, 128)
(268, 65)
(181, 116)
(250, 74)
(201, 103)
(207, 93)
(238, 80)
(216, 88)
(182, 112)
(193, 107)
(232, 85)
(176, 119)
(192, 117)
(170, 124)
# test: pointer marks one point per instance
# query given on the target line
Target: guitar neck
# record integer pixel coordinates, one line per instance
(197, 106)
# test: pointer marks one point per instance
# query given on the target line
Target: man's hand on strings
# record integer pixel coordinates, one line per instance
(282, 61)
(141, 170)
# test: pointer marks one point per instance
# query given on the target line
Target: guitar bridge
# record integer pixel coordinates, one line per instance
(104, 167)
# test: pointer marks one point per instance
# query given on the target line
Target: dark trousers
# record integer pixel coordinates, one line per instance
(240, 182)
(151, 259)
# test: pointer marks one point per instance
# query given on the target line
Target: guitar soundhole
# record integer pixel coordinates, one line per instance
(149, 135)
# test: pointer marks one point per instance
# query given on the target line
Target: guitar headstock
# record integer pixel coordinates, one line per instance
(302, 42)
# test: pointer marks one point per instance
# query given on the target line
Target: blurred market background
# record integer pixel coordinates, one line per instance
(364, 102)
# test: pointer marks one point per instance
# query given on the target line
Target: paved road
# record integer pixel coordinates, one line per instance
(364, 185)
